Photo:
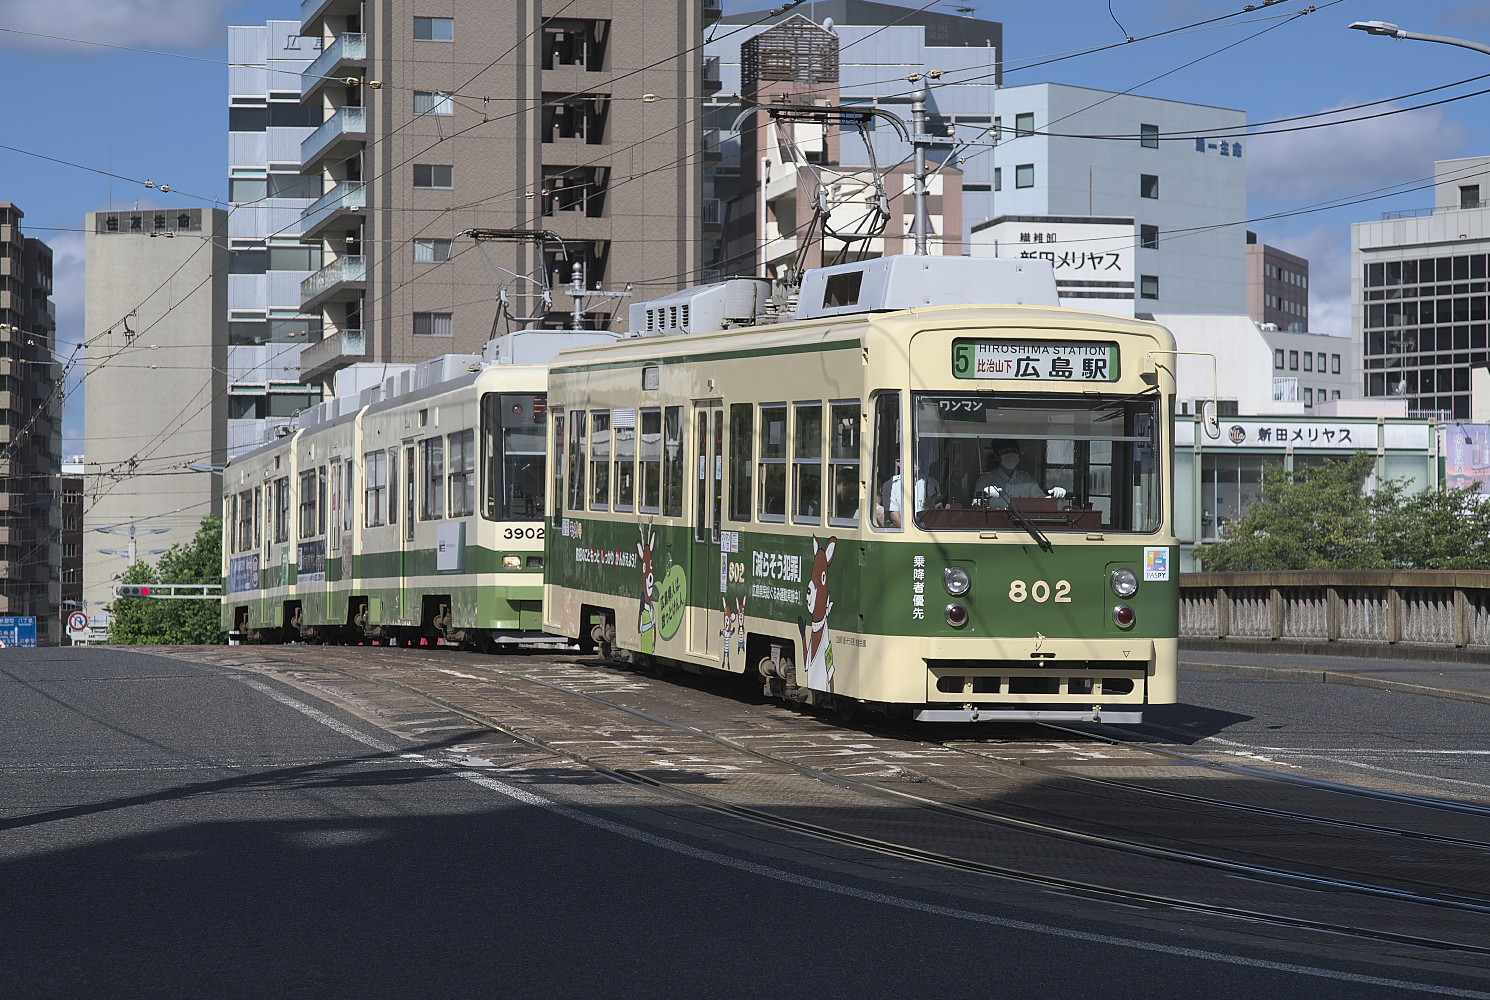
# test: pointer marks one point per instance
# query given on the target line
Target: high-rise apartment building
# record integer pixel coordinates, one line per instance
(30, 431)
(157, 391)
(266, 329)
(1419, 283)
(583, 123)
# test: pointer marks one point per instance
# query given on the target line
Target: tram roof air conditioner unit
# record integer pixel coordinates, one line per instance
(703, 309)
(909, 282)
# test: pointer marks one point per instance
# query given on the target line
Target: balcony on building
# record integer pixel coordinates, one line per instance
(712, 137)
(345, 56)
(712, 80)
(341, 135)
(312, 11)
(343, 207)
(713, 214)
(341, 348)
(1285, 389)
(342, 280)
(713, 11)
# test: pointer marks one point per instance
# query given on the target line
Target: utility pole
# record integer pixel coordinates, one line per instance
(133, 552)
(919, 140)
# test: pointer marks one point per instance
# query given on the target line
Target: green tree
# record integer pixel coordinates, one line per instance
(1441, 528)
(153, 621)
(1315, 517)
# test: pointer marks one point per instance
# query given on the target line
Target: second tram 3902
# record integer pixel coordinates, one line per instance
(901, 500)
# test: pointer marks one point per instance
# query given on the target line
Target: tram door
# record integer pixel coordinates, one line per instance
(704, 560)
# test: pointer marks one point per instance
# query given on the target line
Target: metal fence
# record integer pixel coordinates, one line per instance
(1446, 609)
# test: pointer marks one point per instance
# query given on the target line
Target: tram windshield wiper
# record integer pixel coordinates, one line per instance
(1018, 517)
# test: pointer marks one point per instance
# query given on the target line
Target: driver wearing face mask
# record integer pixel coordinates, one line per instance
(1005, 478)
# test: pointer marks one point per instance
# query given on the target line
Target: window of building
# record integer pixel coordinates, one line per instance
(1149, 136)
(433, 324)
(1308, 361)
(1024, 124)
(1024, 175)
(434, 29)
(1148, 286)
(1320, 358)
(1148, 237)
(432, 251)
(1148, 185)
(998, 178)
(1293, 361)
(1334, 364)
(1308, 396)
(434, 175)
(1469, 196)
(428, 102)
(1278, 358)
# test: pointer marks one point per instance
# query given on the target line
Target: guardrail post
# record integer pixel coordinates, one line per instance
(1333, 615)
(1275, 612)
(1394, 615)
(1223, 613)
(1462, 631)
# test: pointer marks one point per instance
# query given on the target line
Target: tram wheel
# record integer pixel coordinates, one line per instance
(848, 709)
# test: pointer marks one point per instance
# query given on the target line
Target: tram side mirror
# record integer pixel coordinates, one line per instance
(1208, 419)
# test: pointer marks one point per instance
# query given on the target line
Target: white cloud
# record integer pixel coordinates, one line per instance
(154, 24)
(1298, 168)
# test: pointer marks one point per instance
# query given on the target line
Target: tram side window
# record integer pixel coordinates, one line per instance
(672, 461)
(741, 460)
(885, 475)
(347, 495)
(843, 456)
(649, 468)
(260, 496)
(462, 473)
(557, 468)
(244, 533)
(374, 489)
(307, 503)
(322, 485)
(599, 459)
(577, 459)
(392, 485)
(432, 472)
(807, 464)
(625, 431)
(282, 509)
(773, 463)
(409, 490)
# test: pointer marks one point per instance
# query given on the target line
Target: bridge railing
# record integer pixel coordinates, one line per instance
(1445, 608)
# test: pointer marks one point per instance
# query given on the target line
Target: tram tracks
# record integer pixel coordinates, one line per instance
(764, 787)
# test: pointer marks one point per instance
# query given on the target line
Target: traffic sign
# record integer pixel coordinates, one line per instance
(77, 621)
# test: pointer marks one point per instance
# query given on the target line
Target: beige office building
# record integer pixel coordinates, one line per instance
(30, 431)
(580, 119)
(157, 392)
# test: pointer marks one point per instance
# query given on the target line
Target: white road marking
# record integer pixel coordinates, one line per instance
(529, 798)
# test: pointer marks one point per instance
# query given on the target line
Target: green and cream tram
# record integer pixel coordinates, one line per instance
(810, 500)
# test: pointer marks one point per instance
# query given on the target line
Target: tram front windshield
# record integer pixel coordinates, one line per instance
(1103, 451)
(512, 442)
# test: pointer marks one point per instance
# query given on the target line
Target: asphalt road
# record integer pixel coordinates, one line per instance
(177, 830)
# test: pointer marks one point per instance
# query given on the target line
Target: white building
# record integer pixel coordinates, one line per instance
(1419, 284)
(266, 329)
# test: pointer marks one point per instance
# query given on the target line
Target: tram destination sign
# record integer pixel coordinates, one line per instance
(1035, 360)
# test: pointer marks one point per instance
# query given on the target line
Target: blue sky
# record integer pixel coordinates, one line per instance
(161, 114)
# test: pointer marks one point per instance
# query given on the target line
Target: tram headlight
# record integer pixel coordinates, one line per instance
(956, 580)
(956, 615)
(1124, 616)
(1124, 583)
(512, 562)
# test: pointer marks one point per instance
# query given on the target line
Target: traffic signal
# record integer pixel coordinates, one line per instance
(134, 590)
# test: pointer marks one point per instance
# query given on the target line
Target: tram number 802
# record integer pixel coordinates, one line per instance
(1039, 591)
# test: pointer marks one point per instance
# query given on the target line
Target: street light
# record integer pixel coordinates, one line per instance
(1390, 30)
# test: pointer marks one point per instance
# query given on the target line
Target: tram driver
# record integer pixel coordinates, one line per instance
(1004, 478)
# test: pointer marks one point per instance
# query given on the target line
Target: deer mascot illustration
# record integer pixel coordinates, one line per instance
(733, 630)
(646, 614)
(817, 645)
